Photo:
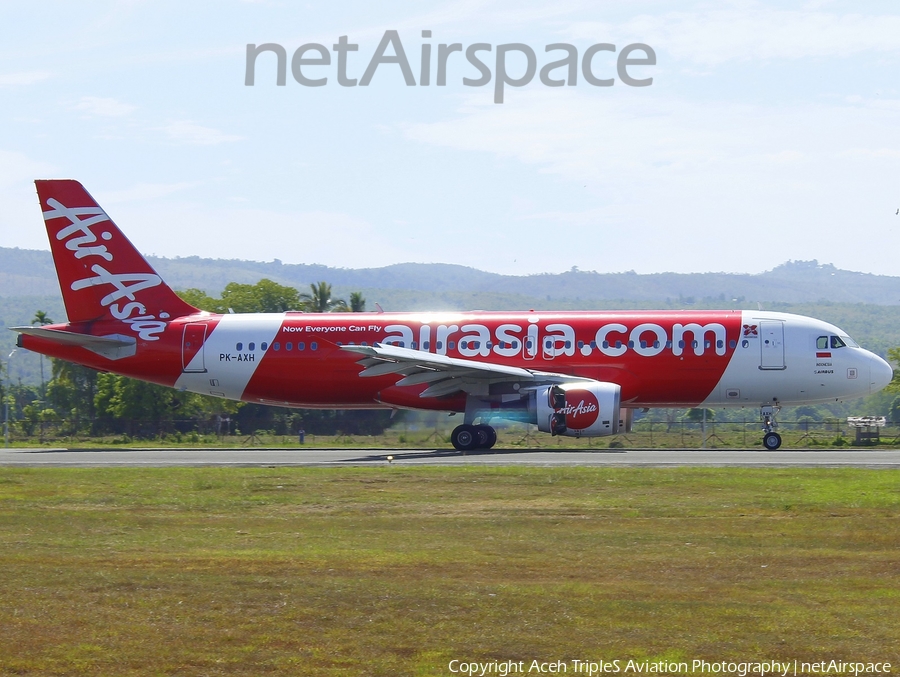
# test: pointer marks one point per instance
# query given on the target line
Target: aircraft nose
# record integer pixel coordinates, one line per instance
(881, 374)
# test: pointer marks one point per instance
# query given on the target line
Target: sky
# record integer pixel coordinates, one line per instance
(770, 132)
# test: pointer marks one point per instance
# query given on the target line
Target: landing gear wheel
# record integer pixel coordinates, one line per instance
(485, 436)
(772, 441)
(463, 437)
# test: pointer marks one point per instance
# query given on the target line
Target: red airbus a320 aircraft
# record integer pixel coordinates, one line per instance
(572, 373)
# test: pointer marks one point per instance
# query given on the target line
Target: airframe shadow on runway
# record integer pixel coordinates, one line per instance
(420, 454)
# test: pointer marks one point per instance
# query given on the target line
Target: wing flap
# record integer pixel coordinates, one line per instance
(445, 375)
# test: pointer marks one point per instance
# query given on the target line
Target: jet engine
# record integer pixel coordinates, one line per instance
(589, 409)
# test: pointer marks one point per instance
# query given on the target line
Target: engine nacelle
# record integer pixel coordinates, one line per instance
(579, 409)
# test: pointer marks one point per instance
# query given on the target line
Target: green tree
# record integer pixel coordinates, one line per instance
(894, 413)
(894, 358)
(41, 318)
(319, 300)
(696, 415)
(200, 299)
(357, 302)
(265, 296)
(71, 392)
(121, 399)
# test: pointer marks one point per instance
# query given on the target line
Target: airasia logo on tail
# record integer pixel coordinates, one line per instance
(581, 410)
(80, 239)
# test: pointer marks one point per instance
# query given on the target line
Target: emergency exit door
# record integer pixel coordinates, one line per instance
(771, 344)
(192, 347)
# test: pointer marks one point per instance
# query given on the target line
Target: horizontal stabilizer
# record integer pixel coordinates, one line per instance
(113, 347)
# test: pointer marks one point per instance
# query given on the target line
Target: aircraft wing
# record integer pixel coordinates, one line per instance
(446, 375)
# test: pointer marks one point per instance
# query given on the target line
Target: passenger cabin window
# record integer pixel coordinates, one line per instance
(252, 346)
(836, 342)
(239, 347)
(276, 346)
(288, 346)
(301, 345)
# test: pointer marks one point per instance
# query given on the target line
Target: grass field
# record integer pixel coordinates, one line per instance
(398, 571)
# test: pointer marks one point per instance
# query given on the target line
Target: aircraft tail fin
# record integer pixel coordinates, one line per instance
(101, 274)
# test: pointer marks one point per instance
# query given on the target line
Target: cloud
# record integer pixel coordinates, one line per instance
(185, 131)
(256, 234)
(682, 181)
(104, 107)
(17, 168)
(714, 37)
(20, 219)
(142, 192)
(29, 78)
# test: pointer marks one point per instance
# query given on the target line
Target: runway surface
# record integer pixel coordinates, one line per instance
(865, 458)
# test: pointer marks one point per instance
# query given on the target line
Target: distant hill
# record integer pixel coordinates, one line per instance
(30, 273)
(867, 306)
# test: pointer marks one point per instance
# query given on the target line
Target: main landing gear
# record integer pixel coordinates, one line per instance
(466, 437)
(771, 439)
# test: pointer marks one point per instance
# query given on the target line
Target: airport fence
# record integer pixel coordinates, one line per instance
(648, 433)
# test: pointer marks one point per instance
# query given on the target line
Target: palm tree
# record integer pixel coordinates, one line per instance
(41, 318)
(357, 302)
(319, 300)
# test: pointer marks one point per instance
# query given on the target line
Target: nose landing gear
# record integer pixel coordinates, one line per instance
(771, 439)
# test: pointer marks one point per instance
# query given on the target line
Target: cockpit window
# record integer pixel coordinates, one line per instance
(850, 342)
(836, 342)
(822, 342)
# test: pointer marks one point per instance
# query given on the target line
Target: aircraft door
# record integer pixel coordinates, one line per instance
(191, 345)
(771, 344)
